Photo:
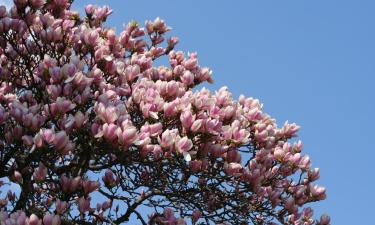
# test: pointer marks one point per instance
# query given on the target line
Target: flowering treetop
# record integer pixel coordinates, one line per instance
(86, 115)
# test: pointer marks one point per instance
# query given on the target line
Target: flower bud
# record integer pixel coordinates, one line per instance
(89, 9)
(60, 140)
(324, 220)
(196, 215)
(184, 145)
(34, 220)
(90, 186)
(18, 177)
(40, 173)
(187, 119)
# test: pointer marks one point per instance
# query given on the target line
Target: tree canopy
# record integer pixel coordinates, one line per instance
(92, 131)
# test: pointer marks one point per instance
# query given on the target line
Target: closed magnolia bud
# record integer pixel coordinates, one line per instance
(187, 119)
(111, 36)
(91, 37)
(47, 219)
(128, 135)
(197, 125)
(233, 156)
(324, 220)
(61, 206)
(156, 129)
(56, 220)
(109, 131)
(89, 9)
(33, 220)
(21, 218)
(172, 41)
(313, 174)
(169, 109)
(79, 119)
(190, 64)
(304, 162)
(106, 205)
(75, 183)
(318, 192)
(289, 203)
(60, 139)
(40, 173)
(83, 205)
(184, 145)
(233, 169)
(18, 177)
(279, 154)
(48, 135)
(90, 186)
(196, 215)
(196, 165)
(109, 178)
(3, 11)
(27, 140)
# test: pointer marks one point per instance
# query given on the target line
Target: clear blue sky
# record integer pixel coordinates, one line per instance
(309, 62)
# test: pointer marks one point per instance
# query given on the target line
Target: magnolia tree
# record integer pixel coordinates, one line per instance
(92, 132)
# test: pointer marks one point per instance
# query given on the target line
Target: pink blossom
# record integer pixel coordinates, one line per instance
(184, 145)
(34, 220)
(233, 169)
(40, 173)
(76, 99)
(83, 204)
(90, 186)
(324, 220)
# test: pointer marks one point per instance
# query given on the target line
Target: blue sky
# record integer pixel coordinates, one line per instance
(309, 62)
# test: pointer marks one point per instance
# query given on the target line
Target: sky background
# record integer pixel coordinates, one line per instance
(309, 62)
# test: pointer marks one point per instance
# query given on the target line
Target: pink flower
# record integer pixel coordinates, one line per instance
(40, 173)
(233, 169)
(184, 145)
(109, 131)
(195, 165)
(318, 192)
(18, 176)
(90, 186)
(61, 206)
(60, 140)
(91, 37)
(109, 178)
(324, 220)
(34, 220)
(50, 219)
(128, 135)
(233, 156)
(83, 204)
(197, 125)
(3, 11)
(168, 138)
(190, 64)
(313, 174)
(187, 119)
(89, 9)
(196, 215)
(240, 135)
(169, 217)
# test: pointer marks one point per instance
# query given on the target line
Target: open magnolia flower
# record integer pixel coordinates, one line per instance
(92, 132)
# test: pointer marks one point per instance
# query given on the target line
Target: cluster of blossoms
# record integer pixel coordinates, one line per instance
(85, 114)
